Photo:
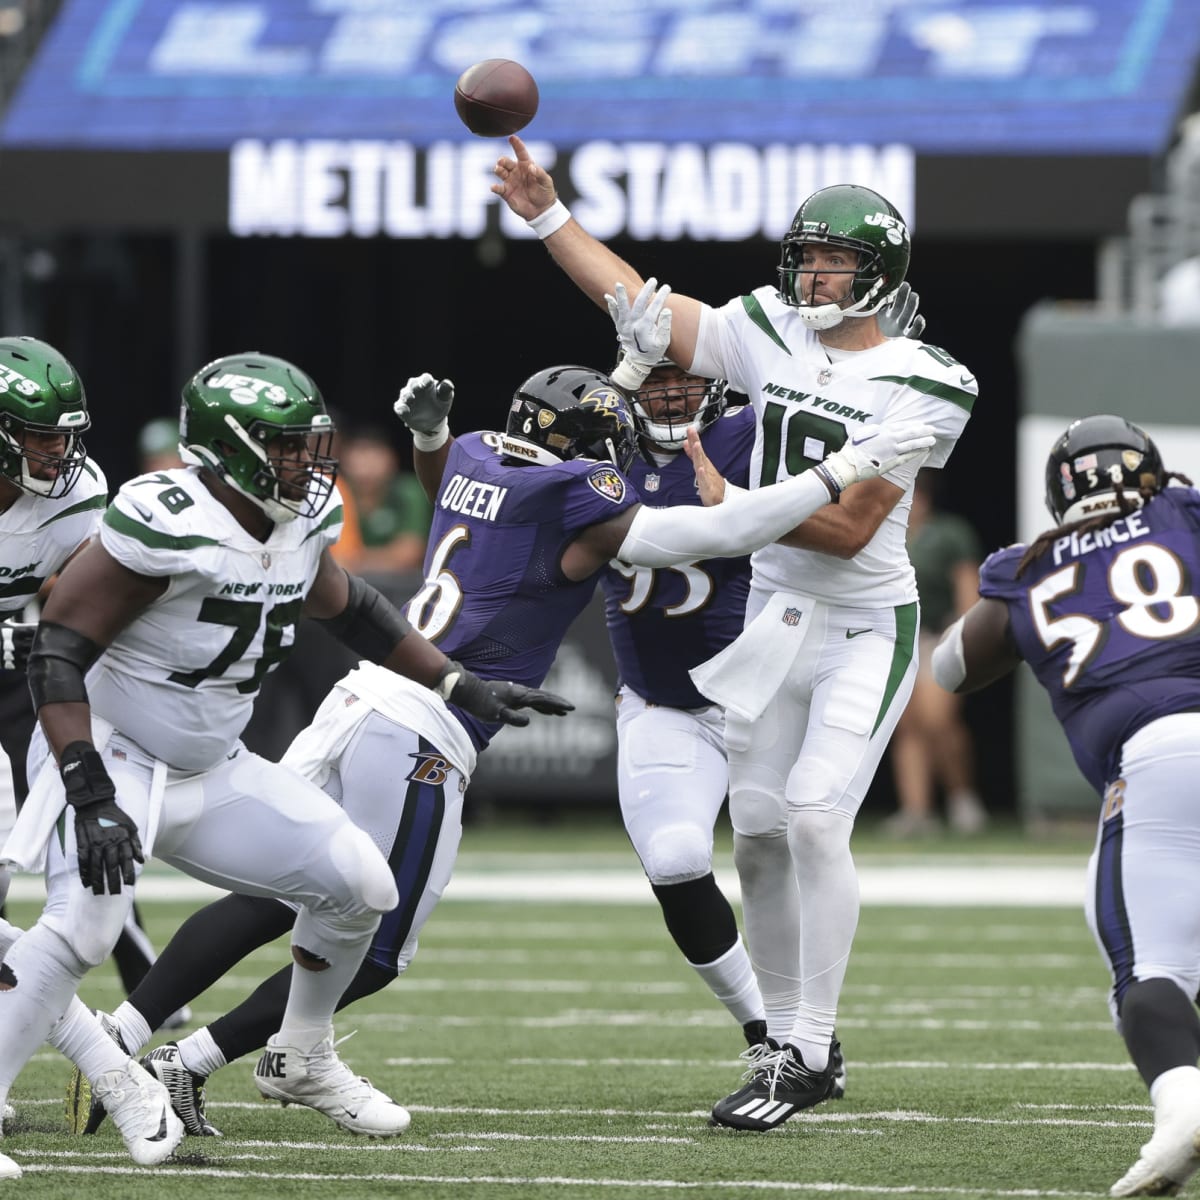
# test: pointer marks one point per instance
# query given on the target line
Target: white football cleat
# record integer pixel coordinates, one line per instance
(8, 1113)
(319, 1079)
(8, 1168)
(141, 1109)
(1172, 1155)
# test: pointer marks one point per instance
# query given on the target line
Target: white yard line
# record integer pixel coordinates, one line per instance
(932, 883)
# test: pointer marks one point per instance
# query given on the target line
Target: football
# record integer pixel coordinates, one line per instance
(496, 97)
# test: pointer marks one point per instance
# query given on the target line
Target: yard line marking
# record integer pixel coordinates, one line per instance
(736, 1185)
(1011, 882)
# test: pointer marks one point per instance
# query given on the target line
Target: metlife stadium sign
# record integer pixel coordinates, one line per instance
(706, 119)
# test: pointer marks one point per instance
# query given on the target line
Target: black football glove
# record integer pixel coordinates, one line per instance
(16, 638)
(106, 837)
(494, 700)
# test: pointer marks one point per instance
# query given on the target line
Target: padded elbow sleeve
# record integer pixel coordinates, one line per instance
(58, 661)
(370, 624)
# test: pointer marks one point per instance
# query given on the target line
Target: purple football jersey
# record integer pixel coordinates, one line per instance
(495, 598)
(1109, 621)
(663, 621)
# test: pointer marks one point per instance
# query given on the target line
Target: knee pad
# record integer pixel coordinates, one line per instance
(760, 858)
(757, 811)
(357, 859)
(677, 854)
(816, 836)
(90, 929)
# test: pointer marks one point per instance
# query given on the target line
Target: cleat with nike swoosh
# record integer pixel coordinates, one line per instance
(319, 1079)
(141, 1109)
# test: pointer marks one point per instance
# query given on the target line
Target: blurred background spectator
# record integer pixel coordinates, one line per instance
(932, 749)
(158, 447)
(392, 511)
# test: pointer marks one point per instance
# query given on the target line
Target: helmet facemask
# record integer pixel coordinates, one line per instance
(857, 221)
(47, 473)
(569, 412)
(671, 402)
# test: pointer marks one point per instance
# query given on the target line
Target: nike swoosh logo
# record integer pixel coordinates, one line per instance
(162, 1129)
(965, 380)
(853, 633)
(141, 512)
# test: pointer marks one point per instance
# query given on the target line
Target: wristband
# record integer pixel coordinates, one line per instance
(435, 439)
(628, 375)
(834, 484)
(550, 221)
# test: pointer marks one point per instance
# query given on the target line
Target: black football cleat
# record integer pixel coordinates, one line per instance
(778, 1085)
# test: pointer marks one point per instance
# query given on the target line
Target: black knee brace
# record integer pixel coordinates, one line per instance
(698, 917)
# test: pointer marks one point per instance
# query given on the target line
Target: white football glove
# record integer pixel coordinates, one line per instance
(16, 640)
(424, 406)
(900, 317)
(875, 450)
(643, 329)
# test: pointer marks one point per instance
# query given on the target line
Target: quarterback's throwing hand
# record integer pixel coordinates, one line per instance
(424, 403)
(643, 328)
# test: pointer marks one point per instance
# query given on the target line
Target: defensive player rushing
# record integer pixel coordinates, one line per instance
(1105, 609)
(524, 523)
(189, 596)
(814, 686)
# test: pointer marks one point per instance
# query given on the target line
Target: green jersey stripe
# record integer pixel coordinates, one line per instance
(115, 519)
(76, 509)
(902, 655)
(331, 518)
(755, 312)
(931, 387)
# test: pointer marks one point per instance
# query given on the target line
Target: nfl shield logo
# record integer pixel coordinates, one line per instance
(652, 483)
(791, 616)
(824, 375)
(265, 559)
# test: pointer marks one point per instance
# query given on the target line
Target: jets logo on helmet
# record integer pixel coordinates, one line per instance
(260, 423)
(857, 221)
(569, 412)
(43, 413)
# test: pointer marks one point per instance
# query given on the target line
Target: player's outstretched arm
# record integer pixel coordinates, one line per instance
(661, 537)
(976, 650)
(424, 407)
(529, 191)
(366, 621)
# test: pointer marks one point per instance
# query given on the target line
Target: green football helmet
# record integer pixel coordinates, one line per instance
(259, 422)
(854, 218)
(43, 413)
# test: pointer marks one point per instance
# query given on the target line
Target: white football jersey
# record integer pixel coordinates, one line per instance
(808, 402)
(38, 535)
(181, 678)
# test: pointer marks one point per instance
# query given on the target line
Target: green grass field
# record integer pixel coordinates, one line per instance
(564, 1050)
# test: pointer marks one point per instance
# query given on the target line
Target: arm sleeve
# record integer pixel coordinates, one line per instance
(746, 521)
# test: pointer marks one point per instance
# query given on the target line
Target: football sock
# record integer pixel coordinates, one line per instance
(81, 1038)
(204, 948)
(1160, 1027)
(829, 903)
(732, 980)
(135, 1029)
(200, 1053)
(770, 911)
(246, 1028)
